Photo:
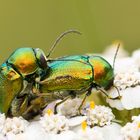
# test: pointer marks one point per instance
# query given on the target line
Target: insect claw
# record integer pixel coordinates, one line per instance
(55, 109)
(120, 97)
(116, 98)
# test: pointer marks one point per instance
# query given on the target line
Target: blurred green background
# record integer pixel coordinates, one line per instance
(37, 23)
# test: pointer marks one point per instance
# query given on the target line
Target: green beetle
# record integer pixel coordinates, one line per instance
(72, 76)
(19, 69)
(77, 75)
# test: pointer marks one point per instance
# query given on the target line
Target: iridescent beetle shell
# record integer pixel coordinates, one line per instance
(27, 60)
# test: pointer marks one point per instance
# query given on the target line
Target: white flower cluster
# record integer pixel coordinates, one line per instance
(100, 116)
(136, 119)
(127, 71)
(14, 125)
(131, 131)
(127, 79)
(70, 107)
(54, 123)
(2, 137)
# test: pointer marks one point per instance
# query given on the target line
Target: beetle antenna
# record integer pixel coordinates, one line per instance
(59, 38)
(116, 55)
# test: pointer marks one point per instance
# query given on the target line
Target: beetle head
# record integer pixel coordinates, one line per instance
(41, 58)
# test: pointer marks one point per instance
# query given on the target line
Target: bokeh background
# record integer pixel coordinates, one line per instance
(37, 23)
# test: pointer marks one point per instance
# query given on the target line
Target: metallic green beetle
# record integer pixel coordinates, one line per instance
(19, 69)
(72, 76)
(77, 75)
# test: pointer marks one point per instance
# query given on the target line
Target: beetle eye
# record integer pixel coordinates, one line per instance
(41, 58)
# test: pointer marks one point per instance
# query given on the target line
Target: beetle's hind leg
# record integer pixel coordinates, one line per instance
(106, 94)
(57, 104)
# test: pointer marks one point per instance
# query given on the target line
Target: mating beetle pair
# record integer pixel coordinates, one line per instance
(29, 81)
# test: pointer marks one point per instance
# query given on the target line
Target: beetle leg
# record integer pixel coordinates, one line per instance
(80, 107)
(106, 94)
(26, 114)
(34, 108)
(27, 89)
(117, 91)
(87, 94)
(18, 106)
(57, 104)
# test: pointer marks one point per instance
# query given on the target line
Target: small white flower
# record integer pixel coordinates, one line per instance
(3, 137)
(129, 86)
(130, 132)
(70, 107)
(89, 134)
(110, 132)
(54, 123)
(100, 116)
(127, 79)
(14, 125)
(76, 121)
(136, 119)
